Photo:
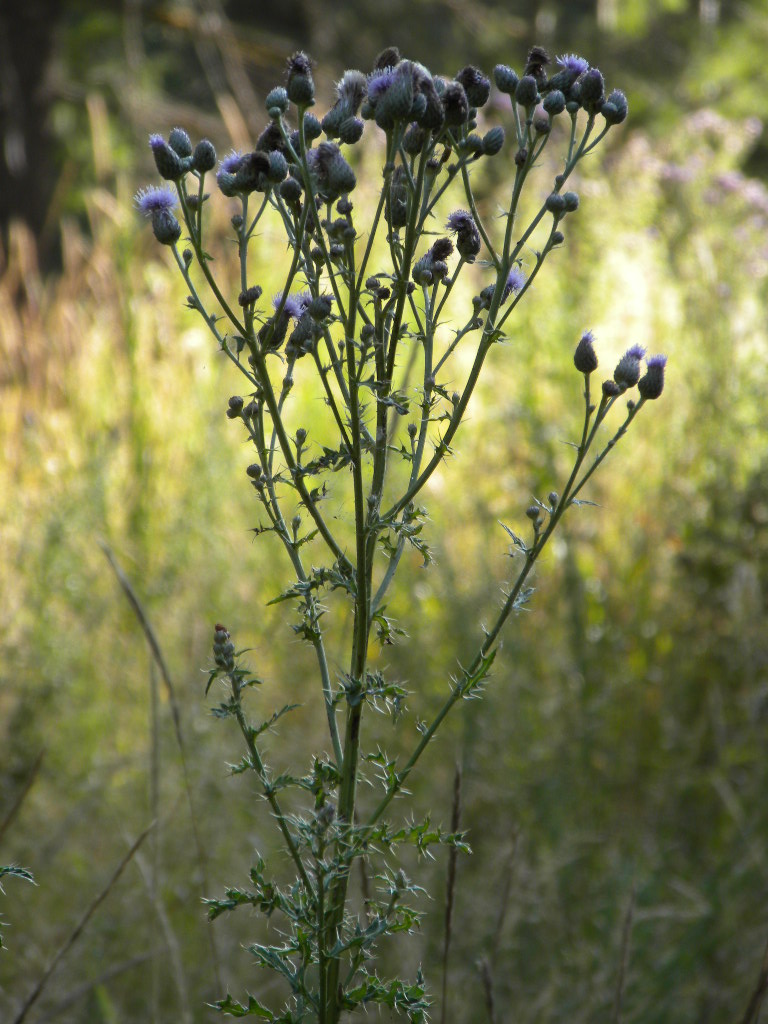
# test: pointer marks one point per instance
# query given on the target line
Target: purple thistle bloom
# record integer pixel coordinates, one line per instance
(627, 372)
(294, 306)
(231, 162)
(658, 361)
(156, 142)
(379, 82)
(515, 281)
(460, 220)
(154, 199)
(573, 63)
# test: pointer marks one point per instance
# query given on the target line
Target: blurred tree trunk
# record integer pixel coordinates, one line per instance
(27, 164)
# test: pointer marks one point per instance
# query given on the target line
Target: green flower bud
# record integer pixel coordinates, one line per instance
(506, 79)
(493, 140)
(204, 157)
(165, 226)
(527, 91)
(554, 103)
(300, 86)
(180, 142)
(276, 102)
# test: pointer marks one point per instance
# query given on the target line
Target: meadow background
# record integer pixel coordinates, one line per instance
(618, 761)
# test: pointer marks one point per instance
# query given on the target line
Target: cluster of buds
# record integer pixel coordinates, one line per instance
(223, 648)
(628, 369)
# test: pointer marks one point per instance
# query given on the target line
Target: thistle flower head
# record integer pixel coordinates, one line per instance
(573, 63)
(515, 281)
(295, 305)
(351, 90)
(627, 372)
(231, 161)
(652, 384)
(459, 220)
(379, 82)
(153, 199)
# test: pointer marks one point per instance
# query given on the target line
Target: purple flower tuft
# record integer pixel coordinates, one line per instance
(294, 306)
(515, 281)
(573, 63)
(652, 384)
(627, 372)
(231, 162)
(379, 82)
(153, 200)
(156, 142)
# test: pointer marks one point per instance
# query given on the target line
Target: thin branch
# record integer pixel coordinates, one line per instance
(79, 927)
(154, 646)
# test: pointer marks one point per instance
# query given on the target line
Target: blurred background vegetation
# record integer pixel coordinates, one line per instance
(619, 758)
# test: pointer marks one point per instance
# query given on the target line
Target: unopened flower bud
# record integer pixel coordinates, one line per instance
(585, 357)
(300, 86)
(165, 226)
(276, 102)
(592, 91)
(615, 108)
(555, 203)
(250, 295)
(301, 436)
(527, 91)
(571, 201)
(204, 156)
(291, 190)
(554, 103)
(493, 140)
(350, 130)
(180, 142)
(505, 78)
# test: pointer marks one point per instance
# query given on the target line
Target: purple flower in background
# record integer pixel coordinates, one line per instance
(154, 199)
(231, 162)
(515, 281)
(294, 304)
(573, 63)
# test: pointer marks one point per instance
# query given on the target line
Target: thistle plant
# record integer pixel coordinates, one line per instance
(363, 317)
